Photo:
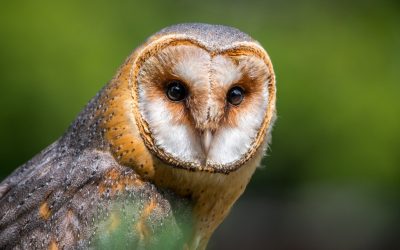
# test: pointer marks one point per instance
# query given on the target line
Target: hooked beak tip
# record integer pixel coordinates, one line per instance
(206, 139)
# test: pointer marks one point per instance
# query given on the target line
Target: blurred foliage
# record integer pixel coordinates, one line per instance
(337, 65)
(121, 227)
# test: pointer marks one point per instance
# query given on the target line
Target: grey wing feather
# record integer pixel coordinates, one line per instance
(80, 200)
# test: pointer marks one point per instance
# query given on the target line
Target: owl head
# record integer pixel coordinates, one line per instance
(203, 96)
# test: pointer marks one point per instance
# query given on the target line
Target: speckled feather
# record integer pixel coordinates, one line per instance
(74, 193)
(214, 37)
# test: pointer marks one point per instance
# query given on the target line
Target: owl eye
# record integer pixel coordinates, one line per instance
(235, 95)
(176, 91)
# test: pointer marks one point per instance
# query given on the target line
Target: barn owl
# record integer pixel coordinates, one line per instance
(158, 157)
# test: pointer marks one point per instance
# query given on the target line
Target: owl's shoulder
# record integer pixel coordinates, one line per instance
(80, 200)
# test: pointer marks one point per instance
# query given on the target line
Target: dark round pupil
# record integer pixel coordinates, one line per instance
(176, 91)
(235, 95)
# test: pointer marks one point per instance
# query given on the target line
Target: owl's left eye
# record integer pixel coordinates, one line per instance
(176, 91)
(235, 95)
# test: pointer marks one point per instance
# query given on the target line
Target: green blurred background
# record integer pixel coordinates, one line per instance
(332, 177)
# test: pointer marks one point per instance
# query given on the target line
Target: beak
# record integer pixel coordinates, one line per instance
(206, 139)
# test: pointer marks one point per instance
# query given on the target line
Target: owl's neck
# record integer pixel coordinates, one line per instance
(213, 194)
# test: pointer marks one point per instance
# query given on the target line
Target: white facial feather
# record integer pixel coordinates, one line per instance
(224, 71)
(230, 143)
(179, 140)
(193, 68)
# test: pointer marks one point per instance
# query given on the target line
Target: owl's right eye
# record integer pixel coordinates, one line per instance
(176, 91)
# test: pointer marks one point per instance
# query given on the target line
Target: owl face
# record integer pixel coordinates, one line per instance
(203, 110)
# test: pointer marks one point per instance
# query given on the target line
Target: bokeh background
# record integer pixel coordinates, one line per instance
(332, 177)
